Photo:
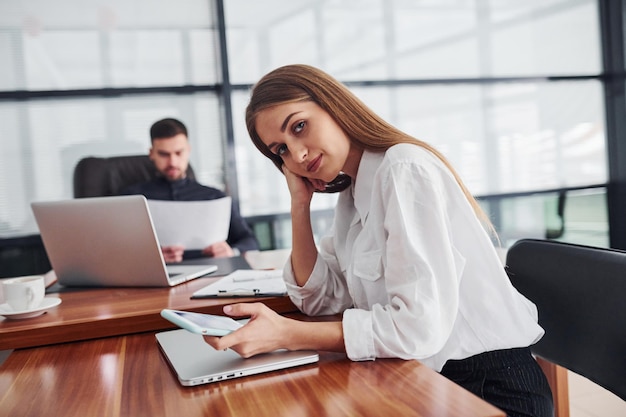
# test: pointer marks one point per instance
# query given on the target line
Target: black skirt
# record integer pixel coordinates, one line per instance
(510, 379)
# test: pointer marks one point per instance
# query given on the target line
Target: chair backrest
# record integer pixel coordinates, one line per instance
(580, 292)
(99, 177)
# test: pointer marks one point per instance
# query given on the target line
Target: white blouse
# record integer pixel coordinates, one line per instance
(412, 268)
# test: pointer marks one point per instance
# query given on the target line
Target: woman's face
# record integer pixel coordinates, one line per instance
(308, 140)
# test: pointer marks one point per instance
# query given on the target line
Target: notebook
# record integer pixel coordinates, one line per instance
(246, 283)
(107, 241)
(195, 362)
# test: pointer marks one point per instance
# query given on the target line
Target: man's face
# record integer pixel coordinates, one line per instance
(171, 156)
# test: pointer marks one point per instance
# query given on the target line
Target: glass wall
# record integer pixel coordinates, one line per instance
(103, 73)
(511, 91)
(402, 39)
(43, 140)
(506, 90)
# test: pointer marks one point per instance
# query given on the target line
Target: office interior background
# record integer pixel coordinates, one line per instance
(526, 98)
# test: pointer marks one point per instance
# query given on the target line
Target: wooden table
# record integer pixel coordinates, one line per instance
(102, 312)
(96, 355)
(128, 376)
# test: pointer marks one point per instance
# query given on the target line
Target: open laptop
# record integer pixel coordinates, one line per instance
(195, 362)
(107, 241)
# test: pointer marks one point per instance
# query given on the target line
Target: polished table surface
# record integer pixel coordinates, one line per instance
(100, 312)
(128, 376)
(90, 313)
(96, 355)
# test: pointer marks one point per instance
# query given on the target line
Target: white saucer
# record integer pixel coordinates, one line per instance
(48, 302)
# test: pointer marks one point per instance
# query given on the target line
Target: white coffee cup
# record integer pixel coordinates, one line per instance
(24, 293)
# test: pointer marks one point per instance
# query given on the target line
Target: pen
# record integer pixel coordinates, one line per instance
(244, 293)
(239, 293)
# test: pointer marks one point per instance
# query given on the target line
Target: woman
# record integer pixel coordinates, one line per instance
(409, 263)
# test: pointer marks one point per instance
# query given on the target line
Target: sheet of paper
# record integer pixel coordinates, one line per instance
(246, 281)
(193, 224)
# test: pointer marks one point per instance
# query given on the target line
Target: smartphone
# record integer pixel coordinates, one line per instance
(199, 323)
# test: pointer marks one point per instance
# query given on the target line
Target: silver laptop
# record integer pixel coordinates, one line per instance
(195, 362)
(107, 241)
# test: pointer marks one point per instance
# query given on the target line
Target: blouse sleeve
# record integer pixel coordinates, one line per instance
(325, 292)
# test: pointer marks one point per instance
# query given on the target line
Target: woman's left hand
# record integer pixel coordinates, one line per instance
(265, 332)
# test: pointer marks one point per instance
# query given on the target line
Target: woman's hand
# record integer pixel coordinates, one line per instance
(303, 249)
(301, 188)
(265, 332)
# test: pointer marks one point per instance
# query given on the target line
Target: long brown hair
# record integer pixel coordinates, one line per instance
(294, 83)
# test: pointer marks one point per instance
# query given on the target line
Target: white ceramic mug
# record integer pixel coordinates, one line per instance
(24, 293)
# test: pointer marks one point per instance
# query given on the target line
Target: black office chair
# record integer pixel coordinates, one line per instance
(579, 292)
(99, 177)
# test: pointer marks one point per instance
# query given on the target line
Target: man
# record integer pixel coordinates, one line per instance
(170, 154)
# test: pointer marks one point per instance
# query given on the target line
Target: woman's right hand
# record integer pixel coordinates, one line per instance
(301, 188)
(303, 249)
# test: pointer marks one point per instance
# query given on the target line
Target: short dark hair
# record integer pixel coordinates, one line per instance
(166, 128)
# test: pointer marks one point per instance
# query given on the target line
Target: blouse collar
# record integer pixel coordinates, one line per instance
(362, 187)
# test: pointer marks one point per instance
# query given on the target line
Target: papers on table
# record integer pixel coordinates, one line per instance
(193, 224)
(246, 283)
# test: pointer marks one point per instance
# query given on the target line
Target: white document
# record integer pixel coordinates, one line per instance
(246, 283)
(193, 224)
